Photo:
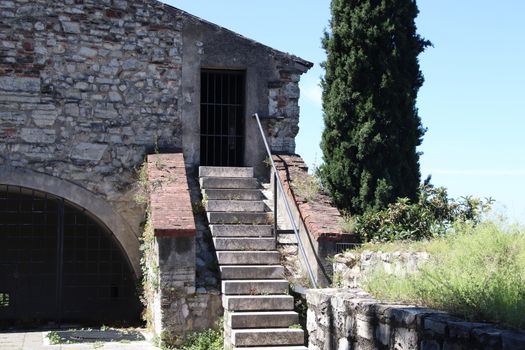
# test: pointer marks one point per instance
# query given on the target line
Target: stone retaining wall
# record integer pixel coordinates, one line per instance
(350, 268)
(346, 319)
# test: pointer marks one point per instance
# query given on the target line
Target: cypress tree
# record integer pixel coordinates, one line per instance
(372, 127)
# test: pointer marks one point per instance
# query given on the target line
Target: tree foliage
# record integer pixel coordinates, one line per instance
(372, 127)
(433, 214)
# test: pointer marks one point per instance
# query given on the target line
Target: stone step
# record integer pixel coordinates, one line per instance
(229, 182)
(267, 337)
(240, 272)
(262, 319)
(258, 302)
(254, 287)
(258, 218)
(248, 258)
(233, 194)
(243, 243)
(241, 230)
(293, 347)
(221, 171)
(234, 205)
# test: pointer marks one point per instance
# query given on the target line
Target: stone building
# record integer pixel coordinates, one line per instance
(87, 89)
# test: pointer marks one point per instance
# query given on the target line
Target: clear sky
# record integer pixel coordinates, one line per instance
(472, 102)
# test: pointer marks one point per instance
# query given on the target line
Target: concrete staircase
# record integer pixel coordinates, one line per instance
(258, 310)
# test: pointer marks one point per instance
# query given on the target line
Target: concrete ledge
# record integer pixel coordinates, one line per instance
(170, 203)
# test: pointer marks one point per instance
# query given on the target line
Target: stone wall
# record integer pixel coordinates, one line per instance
(319, 223)
(174, 305)
(88, 88)
(350, 268)
(345, 319)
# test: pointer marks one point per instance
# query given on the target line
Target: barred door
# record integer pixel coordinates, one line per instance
(222, 117)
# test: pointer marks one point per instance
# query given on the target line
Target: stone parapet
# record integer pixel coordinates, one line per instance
(319, 223)
(175, 306)
(321, 218)
(352, 319)
(170, 203)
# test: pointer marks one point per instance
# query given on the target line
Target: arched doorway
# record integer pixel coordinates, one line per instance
(58, 263)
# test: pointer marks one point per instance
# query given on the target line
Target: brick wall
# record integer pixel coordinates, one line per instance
(321, 218)
(170, 203)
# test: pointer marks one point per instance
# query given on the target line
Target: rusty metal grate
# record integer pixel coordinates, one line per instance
(222, 117)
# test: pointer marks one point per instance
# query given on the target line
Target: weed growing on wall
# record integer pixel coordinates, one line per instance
(150, 271)
(306, 186)
(478, 273)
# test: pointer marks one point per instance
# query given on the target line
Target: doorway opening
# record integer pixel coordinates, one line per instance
(222, 110)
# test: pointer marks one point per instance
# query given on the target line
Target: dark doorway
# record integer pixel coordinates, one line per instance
(222, 117)
(58, 264)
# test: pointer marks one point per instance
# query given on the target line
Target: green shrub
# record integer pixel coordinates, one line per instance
(479, 274)
(209, 339)
(433, 215)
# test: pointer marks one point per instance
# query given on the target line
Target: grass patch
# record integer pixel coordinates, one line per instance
(306, 186)
(477, 273)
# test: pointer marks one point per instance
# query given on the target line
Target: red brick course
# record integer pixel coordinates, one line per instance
(322, 220)
(170, 203)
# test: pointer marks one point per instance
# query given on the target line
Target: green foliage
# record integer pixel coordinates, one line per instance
(54, 338)
(347, 223)
(142, 194)
(479, 274)
(432, 215)
(209, 339)
(370, 87)
(150, 270)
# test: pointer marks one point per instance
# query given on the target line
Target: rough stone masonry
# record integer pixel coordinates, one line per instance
(88, 88)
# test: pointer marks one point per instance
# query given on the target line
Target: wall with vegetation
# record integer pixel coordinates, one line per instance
(352, 319)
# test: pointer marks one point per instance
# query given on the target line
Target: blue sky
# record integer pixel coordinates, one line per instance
(472, 102)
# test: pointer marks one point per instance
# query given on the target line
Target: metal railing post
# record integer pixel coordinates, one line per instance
(275, 205)
(279, 186)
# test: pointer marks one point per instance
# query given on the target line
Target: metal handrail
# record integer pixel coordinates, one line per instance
(278, 185)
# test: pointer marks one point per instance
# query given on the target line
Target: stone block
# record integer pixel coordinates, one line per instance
(405, 339)
(71, 27)
(435, 324)
(33, 135)
(43, 118)
(24, 84)
(365, 327)
(88, 151)
(383, 333)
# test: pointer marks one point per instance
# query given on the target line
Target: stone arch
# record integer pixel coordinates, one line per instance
(78, 195)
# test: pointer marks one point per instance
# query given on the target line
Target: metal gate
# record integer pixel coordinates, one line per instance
(222, 117)
(58, 264)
